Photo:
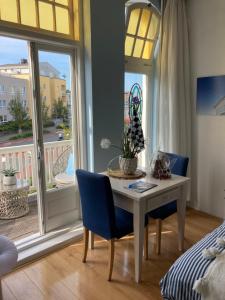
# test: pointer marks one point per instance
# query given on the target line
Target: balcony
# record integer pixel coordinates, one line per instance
(22, 158)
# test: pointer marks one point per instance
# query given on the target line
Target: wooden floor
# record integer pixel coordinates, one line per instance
(62, 275)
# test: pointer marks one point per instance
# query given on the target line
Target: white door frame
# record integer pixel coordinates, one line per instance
(35, 47)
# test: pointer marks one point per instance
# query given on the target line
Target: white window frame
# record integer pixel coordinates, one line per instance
(145, 67)
(26, 246)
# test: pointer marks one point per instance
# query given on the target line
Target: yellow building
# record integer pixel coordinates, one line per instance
(52, 87)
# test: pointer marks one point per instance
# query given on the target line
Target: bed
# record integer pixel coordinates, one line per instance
(178, 283)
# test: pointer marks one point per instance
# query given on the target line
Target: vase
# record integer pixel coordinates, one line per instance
(128, 165)
(9, 180)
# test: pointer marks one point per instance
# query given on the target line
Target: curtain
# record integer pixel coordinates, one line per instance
(174, 107)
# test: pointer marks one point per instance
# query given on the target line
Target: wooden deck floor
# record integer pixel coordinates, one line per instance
(19, 228)
(62, 275)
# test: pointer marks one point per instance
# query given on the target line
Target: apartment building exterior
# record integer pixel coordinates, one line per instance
(10, 88)
(15, 80)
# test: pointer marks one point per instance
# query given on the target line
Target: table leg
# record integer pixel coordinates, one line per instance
(138, 238)
(181, 211)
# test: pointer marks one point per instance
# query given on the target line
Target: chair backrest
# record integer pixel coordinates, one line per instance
(97, 203)
(180, 165)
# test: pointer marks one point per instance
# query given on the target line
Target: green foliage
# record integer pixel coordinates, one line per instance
(49, 123)
(27, 124)
(129, 149)
(45, 112)
(9, 172)
(62, 126)
(59, 110)
(12, 126)
(18, 111)
(21, 136)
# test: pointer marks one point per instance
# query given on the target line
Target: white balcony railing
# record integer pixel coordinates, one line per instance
(22, 158)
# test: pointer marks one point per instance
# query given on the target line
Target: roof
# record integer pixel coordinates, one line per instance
(14, 65)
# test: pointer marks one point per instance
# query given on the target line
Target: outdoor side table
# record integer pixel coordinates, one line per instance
(14, 200)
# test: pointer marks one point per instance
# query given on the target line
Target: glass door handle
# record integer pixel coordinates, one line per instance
(39, 153)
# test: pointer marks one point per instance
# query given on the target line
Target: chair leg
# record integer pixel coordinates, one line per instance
(92, 240)
(86, 236)
(146, 242)
(111, 258)
(158, 235)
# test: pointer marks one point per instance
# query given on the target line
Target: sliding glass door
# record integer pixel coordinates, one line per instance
(55, 92)
(38, 138)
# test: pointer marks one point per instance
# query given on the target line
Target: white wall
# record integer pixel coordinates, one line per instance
(207, 54)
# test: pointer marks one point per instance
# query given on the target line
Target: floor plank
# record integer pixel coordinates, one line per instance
(62, 275)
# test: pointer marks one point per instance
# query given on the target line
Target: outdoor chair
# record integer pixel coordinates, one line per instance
(63, 169)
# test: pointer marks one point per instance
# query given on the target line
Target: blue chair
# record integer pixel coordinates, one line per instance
(100, 216)
(161, 213)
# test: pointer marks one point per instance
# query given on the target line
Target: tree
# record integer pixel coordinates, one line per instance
(59, 110)
(44, 110)
(18, 111)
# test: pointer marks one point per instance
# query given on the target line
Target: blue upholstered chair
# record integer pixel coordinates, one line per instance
(100, 216)
(161, 213)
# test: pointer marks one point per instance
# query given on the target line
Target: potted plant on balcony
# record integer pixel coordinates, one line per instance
(9, 176)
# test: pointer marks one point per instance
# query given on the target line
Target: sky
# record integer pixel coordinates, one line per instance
(12, 50)
(209, 91)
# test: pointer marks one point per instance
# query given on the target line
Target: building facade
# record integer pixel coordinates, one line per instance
(15, 81)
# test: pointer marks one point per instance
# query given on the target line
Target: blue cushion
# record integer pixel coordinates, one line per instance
(70, 165)
(124, 222)
(99, 213)
(164, 211)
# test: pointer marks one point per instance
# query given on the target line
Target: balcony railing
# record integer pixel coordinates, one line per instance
(22, 158)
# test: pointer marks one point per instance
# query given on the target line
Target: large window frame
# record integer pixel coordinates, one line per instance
(57, 43)
(145, 67)
(73, 13)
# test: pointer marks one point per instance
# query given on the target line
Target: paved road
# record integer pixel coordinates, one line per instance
(49, 137)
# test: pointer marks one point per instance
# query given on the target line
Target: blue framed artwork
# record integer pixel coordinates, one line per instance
(211, 95)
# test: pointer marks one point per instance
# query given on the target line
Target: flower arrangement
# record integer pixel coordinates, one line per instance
(132, 142)
(129, 149)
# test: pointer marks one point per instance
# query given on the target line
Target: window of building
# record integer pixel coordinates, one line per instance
(23, 90)
(142, 31)
(3, 118)
(13, 90)
(2, 88)
(51, 16)
(2, 104)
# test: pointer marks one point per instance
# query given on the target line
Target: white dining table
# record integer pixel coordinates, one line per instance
(139, 204)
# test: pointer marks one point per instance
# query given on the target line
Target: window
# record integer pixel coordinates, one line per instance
(142, 30)
(2, 104)
(54, 16)
(2, 88)
(3, 118)
(13, 90)
(23, 90)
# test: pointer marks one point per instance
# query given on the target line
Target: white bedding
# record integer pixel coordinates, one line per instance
(212, 285)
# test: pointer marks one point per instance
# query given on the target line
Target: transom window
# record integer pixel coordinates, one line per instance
(142, 30)
(55, 16)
